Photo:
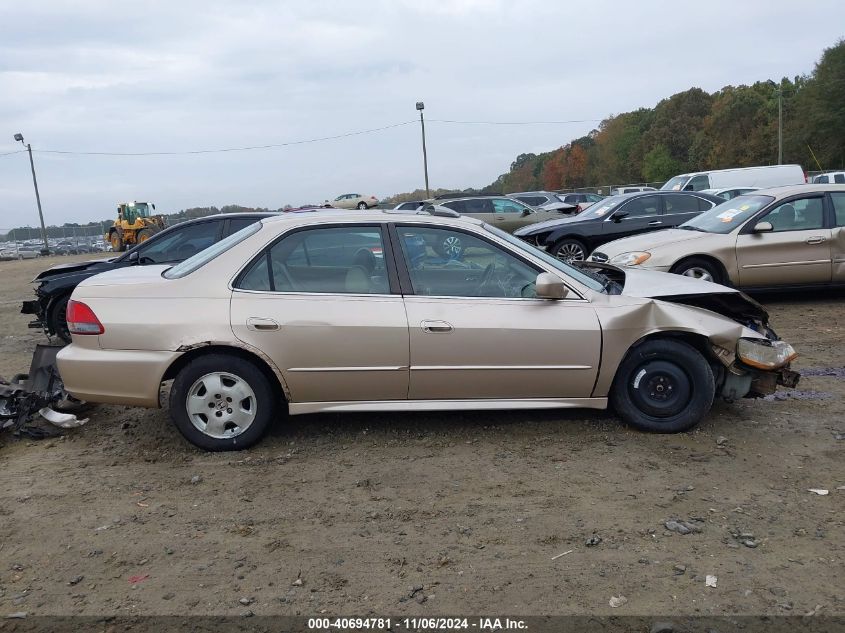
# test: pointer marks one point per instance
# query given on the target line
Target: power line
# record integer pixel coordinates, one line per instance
(227, 149)
(515, 122)
(17, 151)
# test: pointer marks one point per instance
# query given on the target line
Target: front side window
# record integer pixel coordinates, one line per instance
(335, 260)
(506, 205)
(180, 243)
(448, 263)
(838, 200)
(796, 215)
(642, 206)
(697, 183)
(839, 178)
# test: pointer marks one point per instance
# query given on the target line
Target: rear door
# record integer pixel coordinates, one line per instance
(678, 208)
(324, 306)
(797, 251)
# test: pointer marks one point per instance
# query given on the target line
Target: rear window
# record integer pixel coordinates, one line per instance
(203, 257)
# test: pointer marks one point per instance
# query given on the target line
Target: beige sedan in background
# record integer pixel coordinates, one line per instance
(772, 238)
(331, 311)
(355, 201)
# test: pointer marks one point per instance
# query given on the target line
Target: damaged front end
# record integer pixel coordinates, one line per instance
(38, 393)
(749, 358)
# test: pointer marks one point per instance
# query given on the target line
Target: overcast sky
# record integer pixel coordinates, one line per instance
(183, 75)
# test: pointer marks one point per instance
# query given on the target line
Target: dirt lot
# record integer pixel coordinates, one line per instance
(435, 513)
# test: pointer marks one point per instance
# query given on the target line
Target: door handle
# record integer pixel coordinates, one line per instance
(436, 327)
(500, 219)
(815, 239)
(655, 223)
(261, 324)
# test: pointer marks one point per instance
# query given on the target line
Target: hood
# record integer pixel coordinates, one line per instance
(723, 300)
(127, 276)
(67, 269)
(549, 225)
(650, 241)
(560, 207)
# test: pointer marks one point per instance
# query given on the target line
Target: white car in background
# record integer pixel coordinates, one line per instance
(354, 201)
(731, 192)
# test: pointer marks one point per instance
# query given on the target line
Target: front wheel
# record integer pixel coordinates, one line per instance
(222, 403)
(663, 386)
(362, 205)
(569, 250)
(117, 244)
(698, 268)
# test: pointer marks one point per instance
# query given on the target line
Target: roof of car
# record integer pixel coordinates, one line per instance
(325, 216)
(788, 190)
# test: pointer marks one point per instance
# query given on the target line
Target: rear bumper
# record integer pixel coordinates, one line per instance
(130, 377)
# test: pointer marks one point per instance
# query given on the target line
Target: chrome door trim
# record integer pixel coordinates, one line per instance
(495, 367)
(297, 408)
(775, 265)
(335, 369)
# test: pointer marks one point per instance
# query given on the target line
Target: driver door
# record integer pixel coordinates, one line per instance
(476, 330)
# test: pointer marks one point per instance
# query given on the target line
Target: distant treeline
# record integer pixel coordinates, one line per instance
(736, 126)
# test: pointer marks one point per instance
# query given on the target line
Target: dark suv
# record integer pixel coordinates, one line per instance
(573, 239)
(172, 245)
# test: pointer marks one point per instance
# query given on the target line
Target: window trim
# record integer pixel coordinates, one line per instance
(405, 276)
(392, 276)
(750, 223)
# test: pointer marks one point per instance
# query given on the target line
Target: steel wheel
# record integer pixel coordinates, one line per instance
(698, 273)
(221, 405)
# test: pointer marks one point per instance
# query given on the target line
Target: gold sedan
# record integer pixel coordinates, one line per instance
(773, 238)
(331, 311)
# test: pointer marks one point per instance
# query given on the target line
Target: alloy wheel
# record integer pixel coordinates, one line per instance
(221, 405)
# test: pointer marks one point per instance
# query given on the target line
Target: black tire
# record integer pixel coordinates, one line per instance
(663, 386)
(117, 244)
(699, 268)
(569, 249)
(452, 247)
(57, 319)
(362, 205)
(266, 405)
(144, 234)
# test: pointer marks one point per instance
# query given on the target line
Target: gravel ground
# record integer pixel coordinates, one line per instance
(439, 513)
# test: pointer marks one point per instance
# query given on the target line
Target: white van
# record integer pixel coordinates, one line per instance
(830, 178)
(760, 177)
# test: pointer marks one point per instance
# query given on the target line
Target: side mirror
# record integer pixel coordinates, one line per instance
(763, 227)
(526, 212)
(134, 258)
(619, 215)
(549, 286)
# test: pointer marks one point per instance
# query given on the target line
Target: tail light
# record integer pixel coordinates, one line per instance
(82, 320)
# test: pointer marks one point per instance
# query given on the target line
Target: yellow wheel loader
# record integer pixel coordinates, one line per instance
(134, 224)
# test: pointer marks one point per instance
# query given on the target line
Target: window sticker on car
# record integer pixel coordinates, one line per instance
(602, 210)
(728, 215)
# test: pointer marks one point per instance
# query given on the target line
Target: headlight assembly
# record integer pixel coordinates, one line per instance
(763, 353)
(629, 259)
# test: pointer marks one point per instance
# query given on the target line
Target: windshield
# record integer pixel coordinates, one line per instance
(203, 257)
(675, 184)
(602, 207)
(727, 216)
(563, 267)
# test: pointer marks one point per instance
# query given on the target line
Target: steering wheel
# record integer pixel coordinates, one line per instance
(486, 276)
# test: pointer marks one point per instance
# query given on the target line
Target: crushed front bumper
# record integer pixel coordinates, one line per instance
(34, 307)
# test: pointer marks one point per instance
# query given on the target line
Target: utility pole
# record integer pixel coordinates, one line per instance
(780, 126)
(46, 250)
(421, 107)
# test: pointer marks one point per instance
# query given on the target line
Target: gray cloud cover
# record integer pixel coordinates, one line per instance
(184, 75)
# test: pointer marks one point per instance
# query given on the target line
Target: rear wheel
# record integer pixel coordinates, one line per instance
(663, 386)
(569, 250)
(222, 403)
(699, 268)
(57, 319)
(362, 205)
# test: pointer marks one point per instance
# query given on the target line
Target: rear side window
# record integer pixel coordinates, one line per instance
(534, 201)
(676, 203)
(643, 206)
(334, 260)
(704, 205)
(839, 178)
